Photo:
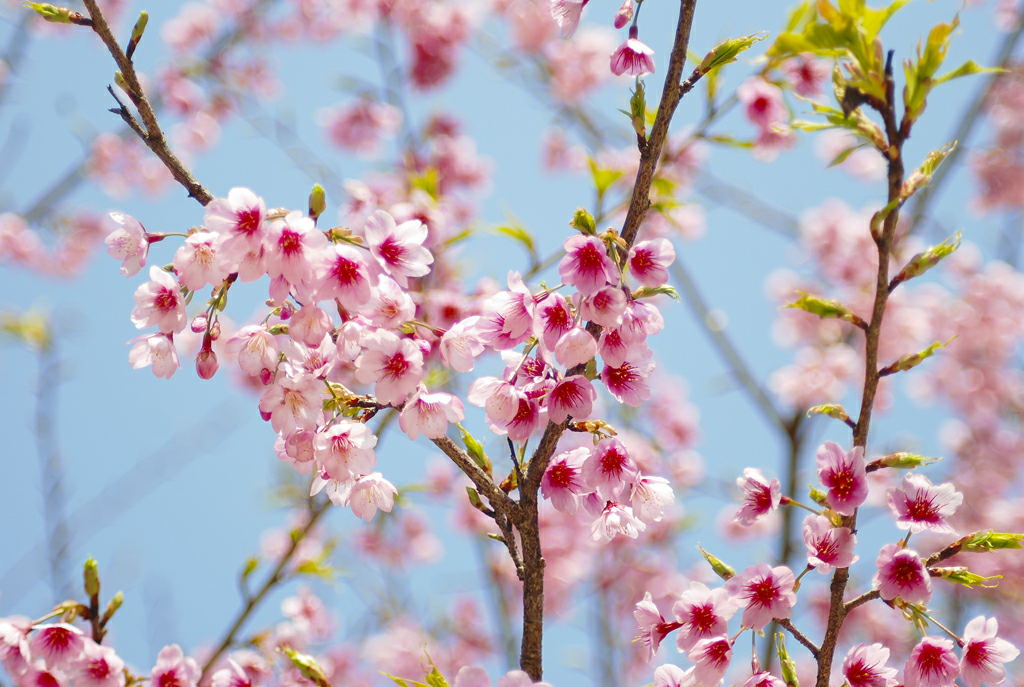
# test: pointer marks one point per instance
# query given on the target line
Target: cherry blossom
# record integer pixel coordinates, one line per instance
(156, 350)
(98, 666)
(371, 493)
(702, 613)
(985, 653)
(398, 248)
(573, 396)
(765, 592)
(610, 470)
(586, 265)
(760, 496)
(393, 365)
(345, 449)
(174, 668)
(649, 260)
(932, 663)
(711, 659)
(562, 481)
(865, 665)
(59, 644)
(633, 57)
(843, 474)
(919, 505)
(828, 547)
(901, 573)
(616, 519)
(158, 303)
(429, 413)
(129, 243)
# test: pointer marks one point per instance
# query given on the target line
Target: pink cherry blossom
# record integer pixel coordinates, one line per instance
(764, 679)
(649, 260)
(575, 347)
(760, 496)
(292, 248)
(394, 365)
(370, 494)
(398, 248)
(562, 481)
(806, 74)
(507, 316)
(232, 676)
(240, 220)
(499, 399)
(762, 102)
(711, 659)
(309, 324)
(59, 645)
(255, 349)
(604, 307)
(932, 663)
(984, 653)
(566, 14)
(430, 413)
(129, 243)
(828, 547)
(640, 320)
(345, 449)
(616, 350)
(669, 675)
(343, 274)
(650, 496)
(98, 666)
(624, 14)
(633, 57)
(628, 382)
(609, 469)
(651, 624)
(462, 344)
(156, 350)
(293, 401)
(702, 613)
(196, 261)
(362, 125)
(573, 396)
(919, 505)
(586, 264)
(552, 319)
(390, 305)
(14, 649)
(843, 474)
(158, 303)
(766, 592)
(614, 520)
(865, 666)
(901, 573)
(174, 668)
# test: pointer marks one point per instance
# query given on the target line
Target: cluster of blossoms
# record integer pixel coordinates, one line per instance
(632, 57)
(765, 594)
(303, 361)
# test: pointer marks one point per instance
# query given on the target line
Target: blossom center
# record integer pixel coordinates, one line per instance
(247, 221)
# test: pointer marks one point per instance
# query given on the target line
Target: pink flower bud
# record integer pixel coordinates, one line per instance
(206, 363)
(199, 323)
(624, 14)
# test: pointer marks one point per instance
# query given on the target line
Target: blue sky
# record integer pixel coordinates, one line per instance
(174, 535)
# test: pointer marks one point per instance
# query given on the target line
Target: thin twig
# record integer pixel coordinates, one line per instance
(861, 600)
(276, 577)
(799, 636)
(154, 137)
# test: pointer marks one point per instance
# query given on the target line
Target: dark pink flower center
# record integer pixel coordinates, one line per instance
(922, 508)
(169, 679)
(97, 669)
(930, 659)
(905, 572)
(391, 250)
(612, 462)
(841, 482)
(557, 317)
(702, 618)
(290, 242)
(561, 475)
(760, 496)
(59, 638)
(827, 548)
(568, 394)
(589, 258)
(977, 654)
(166, 299)
(619, 377)
(345, 271)
(247, 221)
(396, 365)
(642, 261)
(860, 674)
(718, 652)
(762, 592)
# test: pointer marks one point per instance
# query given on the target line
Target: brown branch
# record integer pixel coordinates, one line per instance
(860, 600)
(154, 137)
(799, 636)
(884, 242)
(278, 575)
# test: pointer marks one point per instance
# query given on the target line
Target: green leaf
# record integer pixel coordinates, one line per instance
(435, 678)
(833, 410)
(521, 235)
(727, 51)
(903, 460)
(925, 260)
(251, 563)
(788, 664)
(912, 360)
(721, 569)
(476, 451)
(825, 308)
(402, 682)
(923, 174)
(842, 156)
(583, 222)
(458, 238)
(428, 182)
(729, 141)
(979, 542)
(307, 666)
(602, 178)
(961, 575)
(649, 291)
(967, 69)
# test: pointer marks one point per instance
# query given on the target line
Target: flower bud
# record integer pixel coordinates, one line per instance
(91, 576)
(624, 14)
(206, 363)
(724, 571)
(115, 603)
(317, 201)
(199, 323)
